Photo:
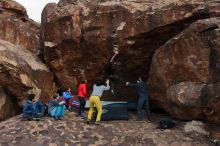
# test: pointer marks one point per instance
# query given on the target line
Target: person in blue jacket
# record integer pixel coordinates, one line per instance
(141, 86)
(40, 108)
(67, 95)
(29, 111)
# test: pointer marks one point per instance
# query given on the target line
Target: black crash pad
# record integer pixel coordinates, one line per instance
(109, 114)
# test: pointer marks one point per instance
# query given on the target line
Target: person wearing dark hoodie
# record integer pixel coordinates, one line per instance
(110, 71)
(29, 111)
(141, 86)
(82, 94)
(56, 107)
(94, 99)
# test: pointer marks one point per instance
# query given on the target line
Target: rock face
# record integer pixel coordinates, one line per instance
(191, 56)
(6, 104)
(17, 28)
(175, 43)
(21, 71)
(78, 36)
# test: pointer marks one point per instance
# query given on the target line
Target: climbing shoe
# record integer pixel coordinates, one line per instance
(97, 123)
(56, 118)
(139, 120)
(60, 118)
(88, 121)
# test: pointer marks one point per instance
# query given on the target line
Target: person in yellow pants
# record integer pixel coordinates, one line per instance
(94, 99)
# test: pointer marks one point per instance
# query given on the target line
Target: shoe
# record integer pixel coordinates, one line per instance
(60, 118)
(97, 123)
(56, 118)
(139, 120)
(36, 119)
(88, 121)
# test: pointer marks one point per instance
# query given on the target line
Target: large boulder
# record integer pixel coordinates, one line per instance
(22, 73)
(190, 100)
(17, 28)
(191, 56)
(79, 36)
(8, 105)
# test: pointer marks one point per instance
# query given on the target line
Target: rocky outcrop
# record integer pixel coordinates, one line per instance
(17, 28)
(175, 43)
(8, 105)
(22, 73)
(191, 56)
(79, 35)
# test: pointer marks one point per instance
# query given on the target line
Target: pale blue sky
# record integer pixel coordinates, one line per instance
(35, 7)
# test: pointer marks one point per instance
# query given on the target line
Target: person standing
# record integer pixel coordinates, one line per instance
(82, 94)
(142, 98)
(94, 99)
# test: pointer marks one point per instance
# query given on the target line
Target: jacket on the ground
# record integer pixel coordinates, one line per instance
(141, 87)
(82, 90)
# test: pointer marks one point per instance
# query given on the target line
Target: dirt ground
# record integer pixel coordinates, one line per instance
(73, 131)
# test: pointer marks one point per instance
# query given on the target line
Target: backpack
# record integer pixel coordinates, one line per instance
(75, 103)
(165, 123)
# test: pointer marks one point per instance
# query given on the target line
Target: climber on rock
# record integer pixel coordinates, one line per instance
(142, 97)
(110, 69)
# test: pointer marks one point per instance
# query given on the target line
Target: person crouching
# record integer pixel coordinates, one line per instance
(56, 107)
(29, 112)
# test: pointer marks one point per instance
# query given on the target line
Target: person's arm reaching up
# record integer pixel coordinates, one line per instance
(113, 57)
(107, 87)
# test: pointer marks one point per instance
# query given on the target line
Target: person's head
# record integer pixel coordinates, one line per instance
(68, 89)
(31, 97)
(100, 82)
(55, 96)
(84, 81)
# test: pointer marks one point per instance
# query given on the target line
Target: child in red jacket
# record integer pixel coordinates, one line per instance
(82, 93)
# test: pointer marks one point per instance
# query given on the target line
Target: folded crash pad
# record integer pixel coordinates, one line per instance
(122, 105)
(117, 104)
(114, 114)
